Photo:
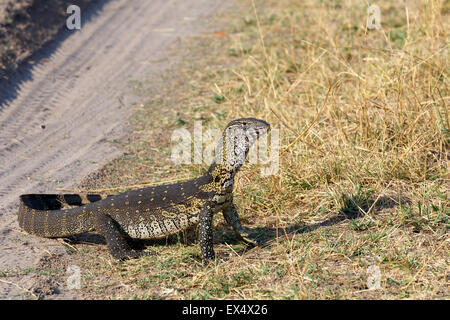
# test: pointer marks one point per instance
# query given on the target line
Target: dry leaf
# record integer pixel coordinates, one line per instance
(220, 34)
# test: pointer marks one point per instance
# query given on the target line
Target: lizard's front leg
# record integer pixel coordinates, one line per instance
(231, 216)
(206, 233)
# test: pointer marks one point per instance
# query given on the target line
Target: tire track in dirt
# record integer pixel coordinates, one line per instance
(82, 95)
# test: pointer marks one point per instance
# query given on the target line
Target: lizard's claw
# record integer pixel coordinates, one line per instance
(244, 236)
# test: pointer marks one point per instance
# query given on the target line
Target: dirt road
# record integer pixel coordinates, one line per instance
(58, 117)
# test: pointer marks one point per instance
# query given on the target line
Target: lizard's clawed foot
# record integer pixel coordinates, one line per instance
(134, 254)
(129, 254)
(243, 234)
(213, 262)
(148, 253)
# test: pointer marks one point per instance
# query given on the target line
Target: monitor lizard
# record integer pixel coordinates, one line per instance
(152, 212)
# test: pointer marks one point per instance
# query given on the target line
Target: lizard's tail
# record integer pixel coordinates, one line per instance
(56, 215)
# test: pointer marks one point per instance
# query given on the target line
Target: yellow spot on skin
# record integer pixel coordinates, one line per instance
(139, 202)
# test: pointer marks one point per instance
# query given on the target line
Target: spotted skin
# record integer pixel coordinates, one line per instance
(153, 212)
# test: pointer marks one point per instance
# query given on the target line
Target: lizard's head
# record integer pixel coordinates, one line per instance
(239, 136)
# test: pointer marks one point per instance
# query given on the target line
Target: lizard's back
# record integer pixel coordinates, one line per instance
(150, 212)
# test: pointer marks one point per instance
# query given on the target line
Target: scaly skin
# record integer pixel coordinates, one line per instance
(153, 212)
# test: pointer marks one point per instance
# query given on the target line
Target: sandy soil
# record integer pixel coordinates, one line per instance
(27, 25)
(58, 117)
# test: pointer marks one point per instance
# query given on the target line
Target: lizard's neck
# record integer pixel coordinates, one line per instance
(222, 176)
(229, 158)
(224, 168)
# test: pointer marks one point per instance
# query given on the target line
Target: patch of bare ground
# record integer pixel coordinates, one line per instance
(27, 25)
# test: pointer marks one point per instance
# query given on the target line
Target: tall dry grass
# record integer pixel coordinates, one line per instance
(374, 102)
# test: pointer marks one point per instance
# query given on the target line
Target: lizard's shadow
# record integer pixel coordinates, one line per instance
(353, 208)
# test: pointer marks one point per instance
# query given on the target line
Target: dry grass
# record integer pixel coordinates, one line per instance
(366, 182)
